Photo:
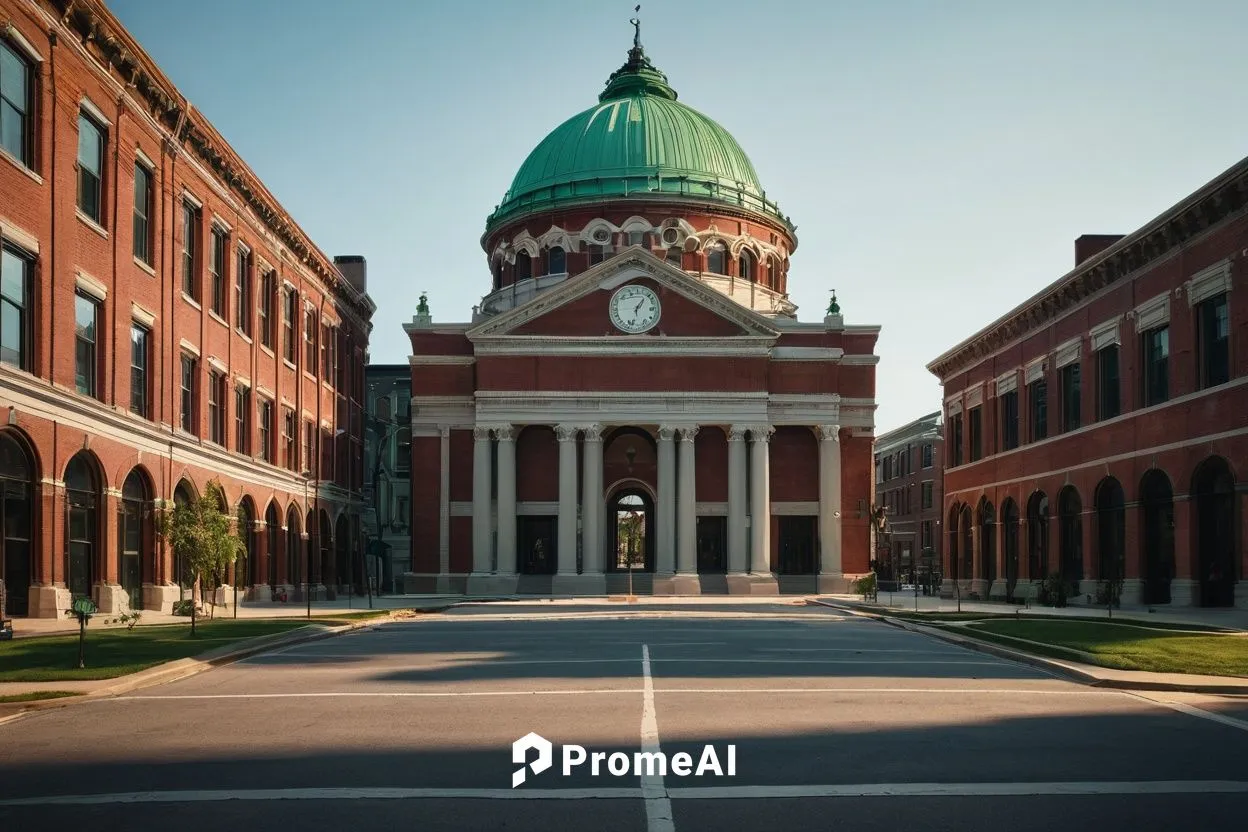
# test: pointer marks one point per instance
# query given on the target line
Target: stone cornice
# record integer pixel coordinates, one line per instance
(95, 25)
(1222, 199)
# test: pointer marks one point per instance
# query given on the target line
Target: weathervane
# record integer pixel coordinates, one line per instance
(636, 21)
(834, 308)
(422, 308)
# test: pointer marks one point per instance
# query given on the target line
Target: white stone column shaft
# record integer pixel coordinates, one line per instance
(506, 500)
(567, 498)
(665, 562)
(591, 502)
(830, 499)
(760, 499)
(738, 547)
(686, 506)
(482, 553)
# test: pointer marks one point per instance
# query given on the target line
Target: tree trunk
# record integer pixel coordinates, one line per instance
(193, 606)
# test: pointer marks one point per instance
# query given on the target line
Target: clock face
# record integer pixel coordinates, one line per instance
(634, 309)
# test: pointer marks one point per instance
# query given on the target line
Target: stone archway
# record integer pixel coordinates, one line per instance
(1111, 528)
(84, 506)
(1213, 496)
(987, 521)
(1157, 518)
(1009, 545)
(1038, 536)
(1070, 537)
(18, 475)
(630, 530)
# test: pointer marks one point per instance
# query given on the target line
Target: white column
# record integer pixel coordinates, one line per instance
(737, 545)
(482, 552)
(591, 502)
(567, 498)
(506, 500)
(665, 563)
(760, 499)
(686, 506)
(830, 499)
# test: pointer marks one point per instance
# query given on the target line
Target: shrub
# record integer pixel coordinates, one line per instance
(866, 585)
(184, 607)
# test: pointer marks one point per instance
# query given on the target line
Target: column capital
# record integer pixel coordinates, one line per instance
(829, 433)
(667, 433)
(566, 433)
(736, 433)
(481, 433)
(593, 433)
(687, 434)
(761, 433)
(504, 433)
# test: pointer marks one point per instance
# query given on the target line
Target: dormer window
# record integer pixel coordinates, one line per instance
(524, 266)
(716, 259)
(557, 261)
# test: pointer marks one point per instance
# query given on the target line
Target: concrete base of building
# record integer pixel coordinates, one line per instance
(754, 583)
(831, 583)
(997, 590)
(979, 589)
(485, 583)
(585, 584)
(686, 584)
(316, 590)
(259, 592)
(1132, 593)
(112, 599)
(1184, 592)
(160, 597)
(49, 601)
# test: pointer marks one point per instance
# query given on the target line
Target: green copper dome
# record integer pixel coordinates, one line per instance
(638, 142)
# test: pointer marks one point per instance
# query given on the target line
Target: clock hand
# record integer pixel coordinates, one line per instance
(638, 306)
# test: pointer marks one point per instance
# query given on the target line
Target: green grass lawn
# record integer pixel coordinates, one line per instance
(116, 652)
(1124, 646)
(36, 695)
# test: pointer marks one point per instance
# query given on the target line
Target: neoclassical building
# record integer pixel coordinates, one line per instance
(635, 399)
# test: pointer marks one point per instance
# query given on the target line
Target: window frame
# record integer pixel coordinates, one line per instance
(242, 419)
(242, 290)
(140, 376)
(192, 227)
(1154, 386)
(1071, 384)
(25, 311)
(289, 310)
(1206, 376)
(975, 432)
(265, 429)
(1007, 408)
(92, 346)
(26, 155)
(141, 246)
(311, 330)
(290, 448)
(1103, 410)
(188, 384)
(216, 407)
(217, 269)
(93, 212)
(267, 307)
(1038, 410)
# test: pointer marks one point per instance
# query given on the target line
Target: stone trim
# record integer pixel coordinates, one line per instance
(89, 285)
(1106, 334)
(1006, 382)
(1152, 313)
(142, 315)
(20, 237)
(1208, 283)
(1067, 353)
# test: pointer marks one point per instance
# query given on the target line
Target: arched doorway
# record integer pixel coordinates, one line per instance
(135, 541)
(952, 559)
(1111, 534)
(1070, 536)
(344, 574)
(987, 541)
(1009, 544)
(294, 543)
(1213, 491)
(183, 495)
(1157, 509)
(1038, 536)
(630, 521)
(967, 568)
(247, 566)
(82, 508)
(272, 530)
(17, 478)
(324, 570)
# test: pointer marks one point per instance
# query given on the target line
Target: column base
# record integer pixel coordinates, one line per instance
(160, 597)
(302, 592)
(754, 583)
(585, 584)
(49, 601)
(686, 583)
(484, 583)
(1184, 592)
(1132, 592)
(834, 583)
(112, 599)
(996, 590)
(979, 589)
(947, 589)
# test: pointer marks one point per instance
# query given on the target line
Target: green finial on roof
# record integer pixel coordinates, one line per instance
(638, 75)
(834, 308)
(422, 308)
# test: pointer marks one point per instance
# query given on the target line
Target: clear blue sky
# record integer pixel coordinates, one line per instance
(939, 158)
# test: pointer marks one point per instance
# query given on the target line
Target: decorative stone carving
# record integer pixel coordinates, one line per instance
(761, 433)
(736, 433)
(566, 433)
(480, 433)
(504, 433)
(687, 434)
(593, 433)
(830, 432)
(667, 433)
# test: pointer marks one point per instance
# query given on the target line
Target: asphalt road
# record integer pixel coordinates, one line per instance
(836, 722)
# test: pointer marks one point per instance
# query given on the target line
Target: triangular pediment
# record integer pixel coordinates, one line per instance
(579, 307)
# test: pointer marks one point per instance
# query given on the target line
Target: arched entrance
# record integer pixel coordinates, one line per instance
(967, 567)
(1038, 536)
(1070, 536)
(953, 561)
(344, 574)
(183, 495)
(987, 541)
(17, 478)
(246, 567)
(630, 522)
(272, 529)
(135, 541)
(1157, 510)
(1111, 528)
(1213, 492)
(82, 508)
(1009, 544)
(325, 555)
(294, 544)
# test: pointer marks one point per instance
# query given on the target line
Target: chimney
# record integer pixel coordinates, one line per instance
(355, 269)
(1090, 245)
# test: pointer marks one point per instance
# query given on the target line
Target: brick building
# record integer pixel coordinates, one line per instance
(635, 397)
(164, 323)
(909, 476)
(1096, 432)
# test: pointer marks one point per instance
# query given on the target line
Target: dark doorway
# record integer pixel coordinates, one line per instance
(630, 520)
(1038, 536)
(1009, 544)
(987, 542)
(132, 537)
(1213, 489)
(1111, 528)
(82, 497)
(16, 478)
(537, 537)
(1157, 503)
(797, 545)
(967, 569)
(1070, 537)
(712, 545)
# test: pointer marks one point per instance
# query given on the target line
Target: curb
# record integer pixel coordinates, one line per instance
(1052, 666)
(191, 666)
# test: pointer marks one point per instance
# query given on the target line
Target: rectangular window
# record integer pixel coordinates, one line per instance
(242, 291)
(310, 329)
(309, 445)
(957, 440)
(190, 423)
(1108, 403)
(927, 534)
(190, 246)
(268, 296)
(1213, 331)
(86, 332)
(266, 430)
(242, 420)
(140, 356)
(343, 347)
(926, 494)
(927, 456)
(1008, 405)
(1072, 394)
(216, 407)
(288, 439)
(15, 318)
(327, 353)
(143, 214)
(1156, 354)
(16, 93)
(977, 434)
(288, 325)
(90, 168)
(1038, 409)
(216, 268)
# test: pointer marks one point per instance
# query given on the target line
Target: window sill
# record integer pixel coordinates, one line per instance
(90, 223)
(192, 301)
(243, 335)
(289, 364)
(218, 319)
(138, 261)
(309, 376)
(20, 165)
(267, 351)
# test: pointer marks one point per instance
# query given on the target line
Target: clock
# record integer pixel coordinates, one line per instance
(634, 309)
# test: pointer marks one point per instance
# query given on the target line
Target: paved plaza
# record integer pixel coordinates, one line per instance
(837, 722)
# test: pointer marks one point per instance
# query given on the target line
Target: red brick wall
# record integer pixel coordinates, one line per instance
(711, 449)
(537, 465)
(644, 465)
(621, 373)
(426, 503)
(462, 444)
(856, 467)
(794, 463)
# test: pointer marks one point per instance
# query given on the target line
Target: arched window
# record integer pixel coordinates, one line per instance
(1009, 546)
(1157, 504)
(16, 507)
(773, 274)
(1111, 523)
(82, 495)
(133, 539)
(716, 259)
(245, 568)
(294, 544)
(745, 266)
(1038, 536)
(1070, 535)
(557, 261)
(524, 266)
(987, 541)
(272, 528)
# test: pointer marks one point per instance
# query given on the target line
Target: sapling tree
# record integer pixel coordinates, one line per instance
(202, 536)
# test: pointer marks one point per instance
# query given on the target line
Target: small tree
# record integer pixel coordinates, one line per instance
(200, 534)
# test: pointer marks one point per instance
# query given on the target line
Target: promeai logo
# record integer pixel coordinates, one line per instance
(618, 764)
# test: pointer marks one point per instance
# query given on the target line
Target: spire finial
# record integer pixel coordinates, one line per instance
(636, 21)
(834, 308)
